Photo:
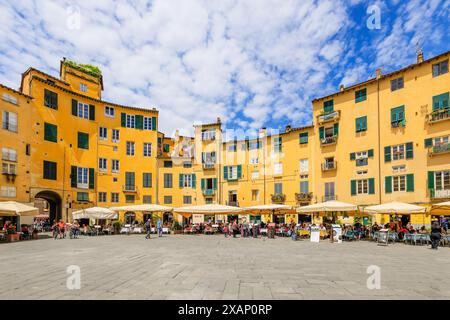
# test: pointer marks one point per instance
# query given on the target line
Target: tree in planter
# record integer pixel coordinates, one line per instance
(116, 225)
(176, 227)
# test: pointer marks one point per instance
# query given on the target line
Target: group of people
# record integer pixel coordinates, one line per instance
(148, 228)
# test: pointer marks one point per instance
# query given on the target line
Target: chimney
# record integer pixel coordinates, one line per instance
(378, 73)
(341, 87)
(262, 132)
(419, 56)
(288, 128)
(218, 120)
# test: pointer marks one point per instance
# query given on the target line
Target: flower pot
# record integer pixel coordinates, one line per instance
(12, 237)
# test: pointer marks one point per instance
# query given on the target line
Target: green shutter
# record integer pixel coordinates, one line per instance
(321, 132)
(409, 150)
(440, 101)
(303, 138)
(370, 153)
(91, 178)
(428, 142)
(410, 182)
(328, 106)
(154, 123)
(73, 176)
(91, 112)
(371, 186)
(83, 140)
(123, 119)
(388, 184)
(74, 107)
(387, 154)
(336, 129)
(214, 183)
(139, 122)
(193, 180)
(203, 184)
(353, 187)
(225, 172)
(239, 171)
(430, 179)
(50, 132)
(180, 180)
(352, 156)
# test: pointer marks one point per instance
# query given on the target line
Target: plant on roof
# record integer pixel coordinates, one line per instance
(86, 68)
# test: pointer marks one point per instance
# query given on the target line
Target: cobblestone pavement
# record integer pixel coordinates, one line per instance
(212, 267)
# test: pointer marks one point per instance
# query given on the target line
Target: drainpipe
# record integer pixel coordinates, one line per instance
(379, 135)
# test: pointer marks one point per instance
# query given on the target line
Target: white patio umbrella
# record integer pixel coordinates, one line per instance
(395, 207)
(441, 205)
(143, 207)
(13, 208)
(208, 208)
(94, 213)
(269, 207)
(328, 206)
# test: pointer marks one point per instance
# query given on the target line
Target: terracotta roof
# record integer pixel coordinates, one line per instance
(16, 91)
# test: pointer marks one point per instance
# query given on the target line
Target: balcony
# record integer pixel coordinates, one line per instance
(208, 192)
(278, 198)
(329, 116)
(129, 188)
(329, 197)
(304, 196)
(328, 140)
(438, 115)
(439, 194)
(233, 203)
(329, 166)
(208, 166)
(398, 124)
(439, 149)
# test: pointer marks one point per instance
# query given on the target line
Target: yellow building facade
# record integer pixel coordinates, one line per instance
(381, 140)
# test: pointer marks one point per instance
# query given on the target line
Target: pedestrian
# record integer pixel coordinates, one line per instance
(62, 229)
(55, 230)
(148, 229)
(435, 235)
(159, 228)
(225, 230)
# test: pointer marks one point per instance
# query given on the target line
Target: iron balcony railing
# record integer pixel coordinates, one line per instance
(327, 166)
(209, 165)
(439, 148)
(278, 197)
(304, 196)
(209, 192)
(233, 203)
(329, 116)
(397, 124)
(329, 140)
(439, 193)
(439, 115)
(329, 197)
(129, 188)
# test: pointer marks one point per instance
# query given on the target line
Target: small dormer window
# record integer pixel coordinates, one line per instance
(83, 87)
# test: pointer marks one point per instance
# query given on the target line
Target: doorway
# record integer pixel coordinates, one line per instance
(54, 202)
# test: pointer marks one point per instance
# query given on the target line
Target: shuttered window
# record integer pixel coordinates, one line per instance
(303, 137)
(360, 95)
(361, 124)
(50, 99)
(83, 140)
(328, 106)
(398, 116)
(147, 179)
(440, 68)
(49, 170)
(50, 132)
(440, 102)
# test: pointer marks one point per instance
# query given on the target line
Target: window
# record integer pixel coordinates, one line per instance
(209, 134)
(82, 178)
(304, 187)
(115, 165)
(82, 196)
(398, 116)
(398, 152)
(329, 191)
(166, 148)
(103, 133)
(398, 169)
(252, 145)
(114, 197)
(49, 170)
(362, 158)
(303, 137)
(442, 180)
(102, 197)
(361, 124)
(440, 102)
(130, 121)
(167, 180)
(130, 148)
(360, 95)
(304, 166)
(187, 181)
(277, 144)
(129, 198)
(362, 186)
(28, 149)
(83, 87)
(115, 135)
(147, 179)
(9, 121)
(440, 68)
(399, 183)
(167, 199)
(254, 161)
(328, 106)
(397, 84)
(147, 199)
(232, 173)
(187, 199)
(9, 98)
(109, 112)
(83, 110)
(278, 168)
(208, 158)
(168, 164)
(255, 175)
(209, 184)
(147, 149)
(232, 147)
(102, 164)
(9, 168)
(278, 187)
(187, 164)
(50, 132)
(8, 192)
(83, 140)
(148, 123)
(208, 200)
(9, 154)
(50, 99)
(130, 182)
(255, 195)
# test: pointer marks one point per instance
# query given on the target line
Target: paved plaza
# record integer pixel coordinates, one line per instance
(213, 267)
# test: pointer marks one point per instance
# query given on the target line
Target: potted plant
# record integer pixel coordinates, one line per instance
(116, 226)
(11, 234)
(176, 228)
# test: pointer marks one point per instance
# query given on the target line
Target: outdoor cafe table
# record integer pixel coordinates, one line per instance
(165, 230)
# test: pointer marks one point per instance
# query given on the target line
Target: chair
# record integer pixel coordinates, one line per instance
(425, 239)
(349, 235)
(407, 238)
(393, 237)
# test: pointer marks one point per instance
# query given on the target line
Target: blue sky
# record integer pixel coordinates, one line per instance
(252, 63)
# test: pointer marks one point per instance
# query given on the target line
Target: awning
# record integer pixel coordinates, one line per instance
(94, 213)
(395, 208)
(269, 208)
(328, 206)
(441, 205)
(142, 208)
(208, 208)
(13, 208)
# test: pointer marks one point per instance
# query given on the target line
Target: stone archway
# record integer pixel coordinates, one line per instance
(55, 204)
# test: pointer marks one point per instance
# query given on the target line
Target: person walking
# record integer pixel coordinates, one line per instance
(435, 235)
(159, 228)
(148, 228)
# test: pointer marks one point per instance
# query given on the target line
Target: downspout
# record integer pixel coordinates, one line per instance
(379, 139)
